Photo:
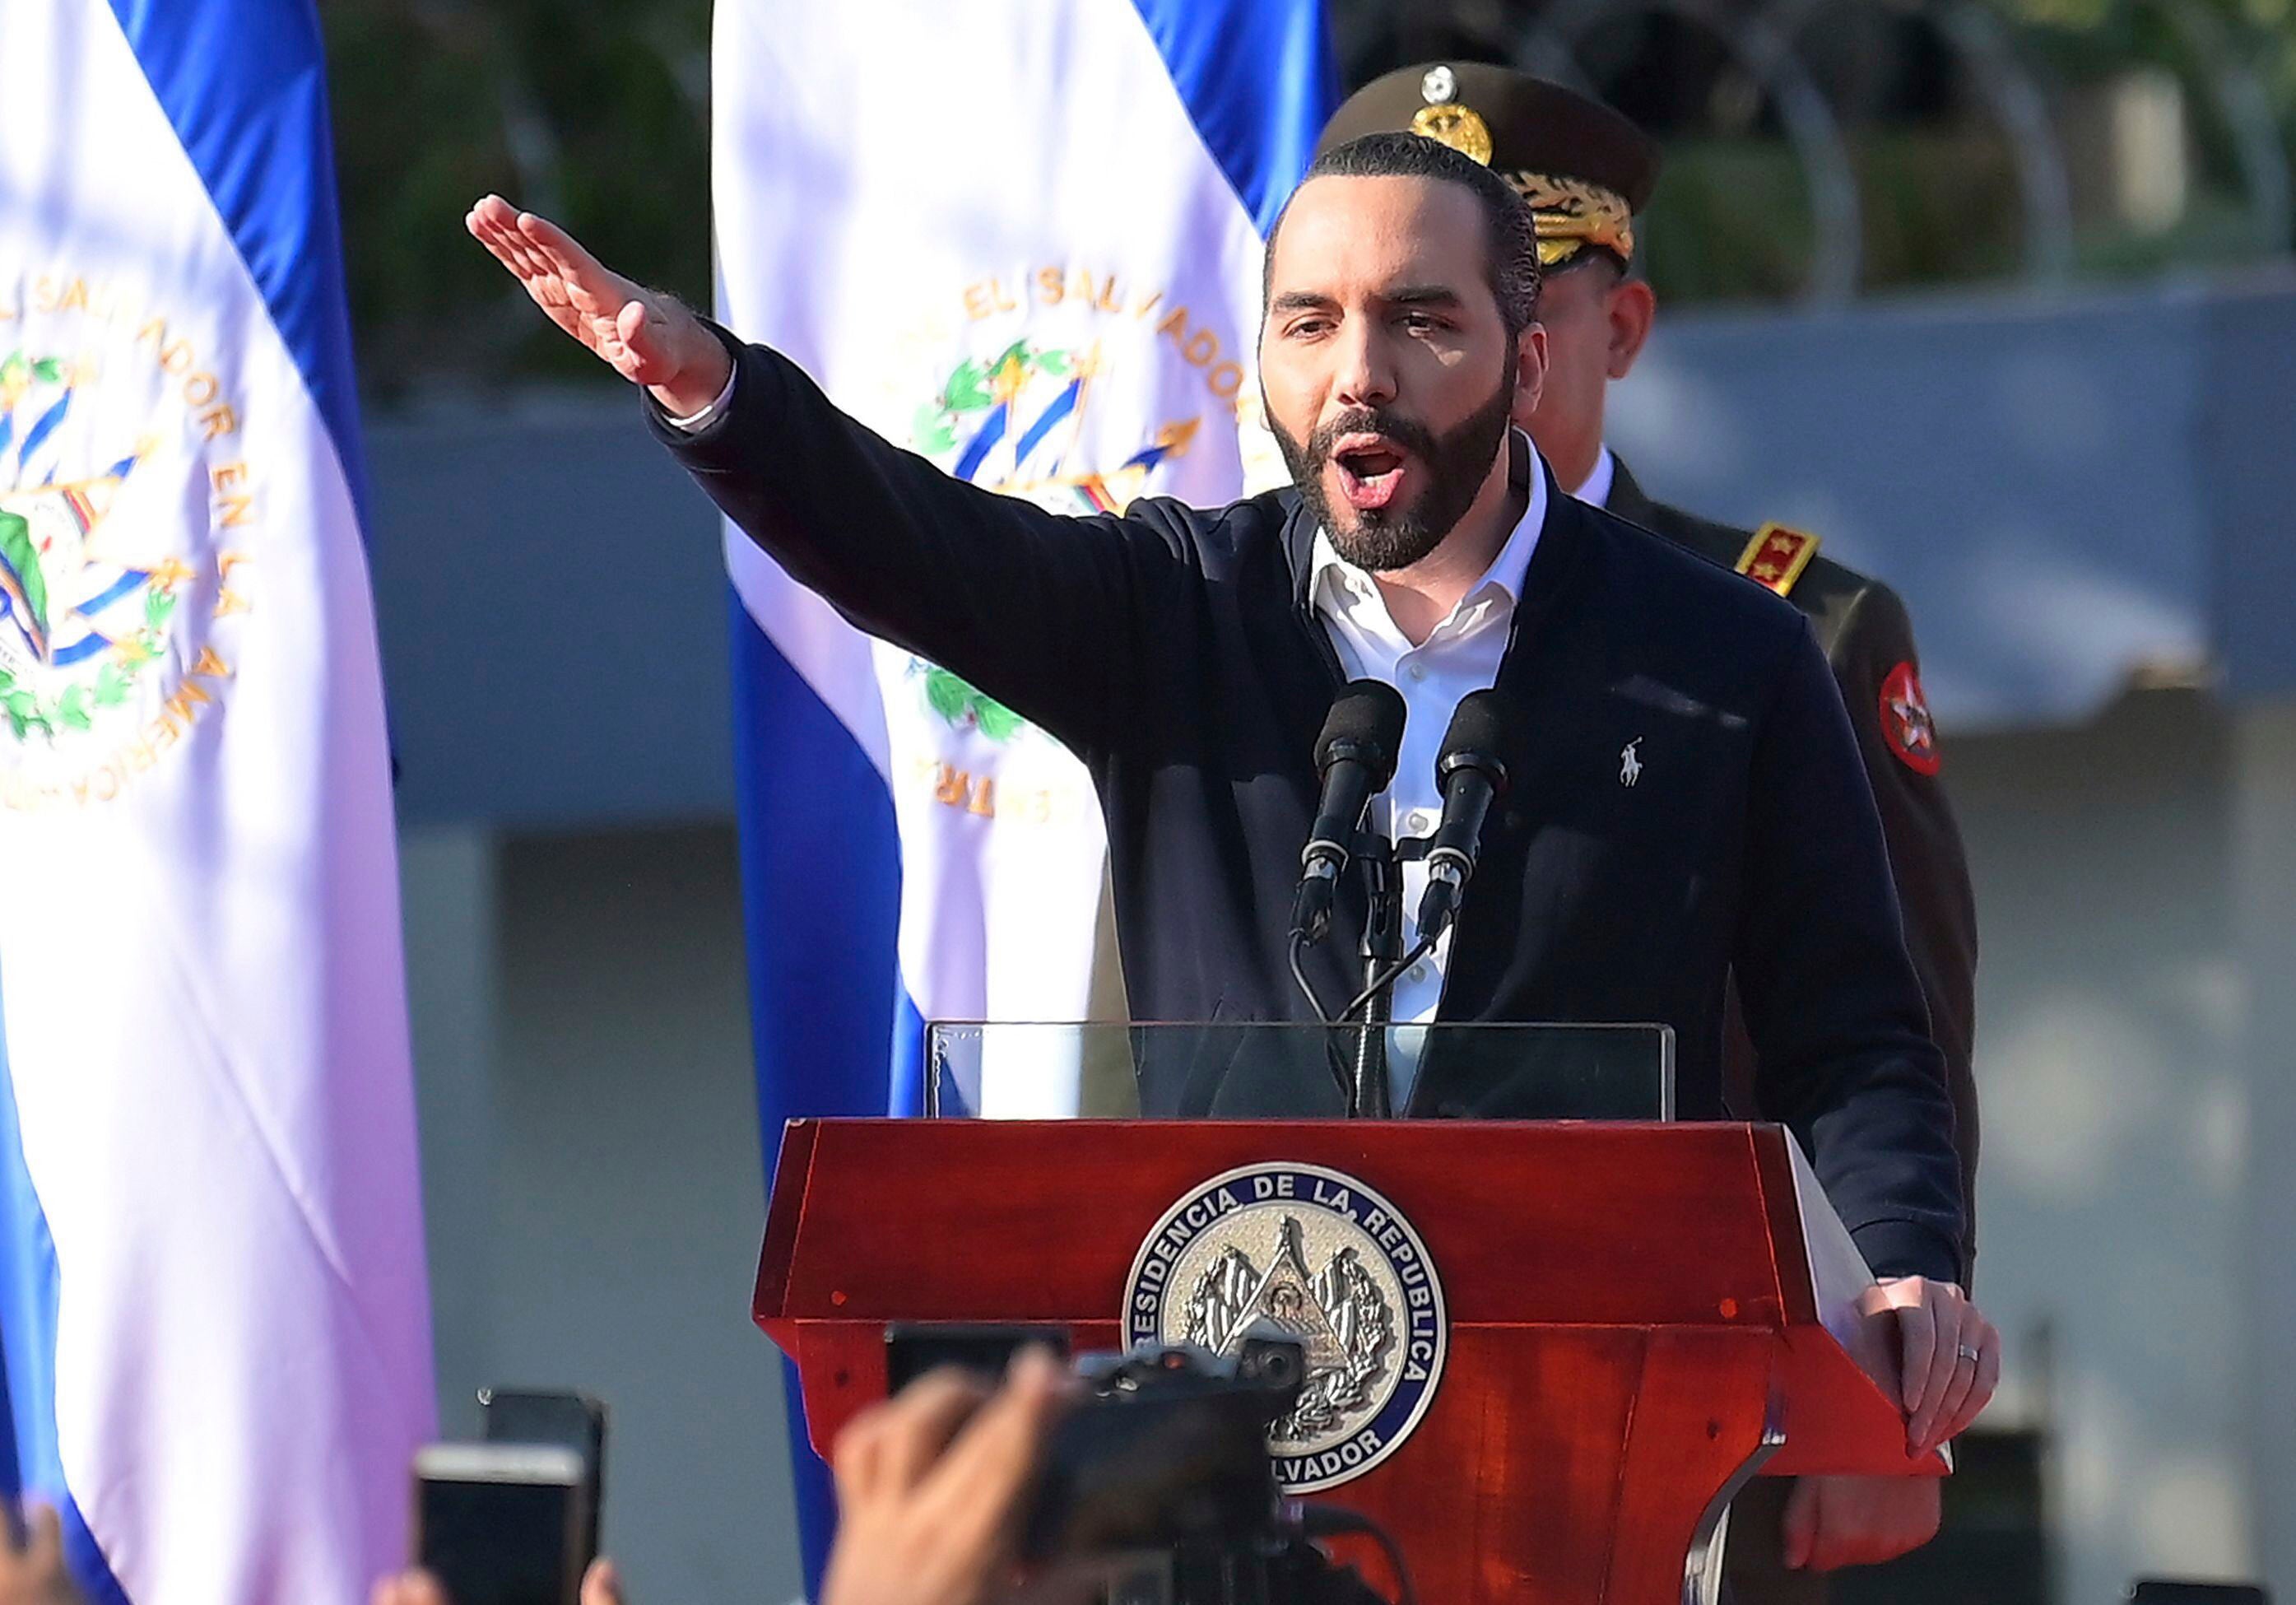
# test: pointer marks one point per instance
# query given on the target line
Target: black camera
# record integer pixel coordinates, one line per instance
(1169, 1449)
(1161, 1477)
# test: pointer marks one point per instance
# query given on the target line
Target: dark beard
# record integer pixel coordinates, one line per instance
(1382, 540)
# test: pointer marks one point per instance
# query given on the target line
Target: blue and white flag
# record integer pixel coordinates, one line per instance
(213, 1308)
(1023, 239)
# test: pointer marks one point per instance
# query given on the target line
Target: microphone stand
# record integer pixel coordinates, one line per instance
(1382, 946)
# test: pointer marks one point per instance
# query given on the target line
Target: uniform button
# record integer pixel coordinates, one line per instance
(1417, 820)
(1417, 671)
(1416, 973)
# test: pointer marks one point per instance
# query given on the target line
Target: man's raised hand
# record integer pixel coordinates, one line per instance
(646, 337)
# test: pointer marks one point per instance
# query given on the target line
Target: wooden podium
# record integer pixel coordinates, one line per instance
(1639, 1316)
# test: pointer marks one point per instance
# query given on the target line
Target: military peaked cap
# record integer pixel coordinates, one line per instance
(1584, 168)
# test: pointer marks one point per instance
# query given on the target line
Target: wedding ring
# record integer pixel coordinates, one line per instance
(1968, 1353)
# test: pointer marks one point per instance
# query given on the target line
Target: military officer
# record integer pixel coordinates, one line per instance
(1587, 171)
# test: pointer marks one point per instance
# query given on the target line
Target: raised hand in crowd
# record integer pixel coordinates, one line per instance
(647, 337)
(32, 1572)
(933, 1486)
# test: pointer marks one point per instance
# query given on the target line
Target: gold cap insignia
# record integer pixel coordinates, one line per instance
(1457, 126)
(1570, 214)
(1776, 555)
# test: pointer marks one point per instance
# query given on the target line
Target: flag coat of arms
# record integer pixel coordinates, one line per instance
(213, 1310)
(1023, 240)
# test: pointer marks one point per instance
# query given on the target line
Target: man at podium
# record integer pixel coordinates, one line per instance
(1587, 172)
(1686, 797)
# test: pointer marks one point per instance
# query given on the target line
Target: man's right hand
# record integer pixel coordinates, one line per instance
(646, 337)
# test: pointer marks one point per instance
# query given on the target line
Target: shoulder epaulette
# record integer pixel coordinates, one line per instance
(1776, 555)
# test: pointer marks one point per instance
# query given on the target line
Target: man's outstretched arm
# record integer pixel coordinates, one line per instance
(1039, 610)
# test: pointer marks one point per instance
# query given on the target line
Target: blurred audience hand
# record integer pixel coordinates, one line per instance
(933, 1486)
(600, 1586)
(32, 1573)
(1835, 1521)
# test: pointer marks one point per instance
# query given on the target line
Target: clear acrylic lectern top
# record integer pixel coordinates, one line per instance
(1259, 1072)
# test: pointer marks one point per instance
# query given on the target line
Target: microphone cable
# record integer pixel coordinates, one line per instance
(1332, 1059)
(1387, 978)
(1299, 976)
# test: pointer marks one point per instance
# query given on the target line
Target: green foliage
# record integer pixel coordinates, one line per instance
(1940, 206)
(596, 112)
(592, 111)
(1730, 219)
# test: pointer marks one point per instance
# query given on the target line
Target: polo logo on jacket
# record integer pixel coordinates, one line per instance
(1630, 763)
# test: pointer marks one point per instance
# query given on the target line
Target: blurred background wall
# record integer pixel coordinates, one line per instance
(1996, 298)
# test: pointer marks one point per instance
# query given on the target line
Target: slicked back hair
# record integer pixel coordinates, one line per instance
(1509, 233)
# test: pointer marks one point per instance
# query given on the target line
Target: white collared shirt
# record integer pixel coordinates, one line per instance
(1596, 491)
(1460, 654)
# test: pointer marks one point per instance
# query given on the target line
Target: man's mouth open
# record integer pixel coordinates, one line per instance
(1371, 470)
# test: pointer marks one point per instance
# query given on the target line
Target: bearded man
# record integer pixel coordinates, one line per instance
(1586, 173)
(1686, 804)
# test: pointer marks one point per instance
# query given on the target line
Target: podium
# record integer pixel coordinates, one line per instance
(1544, 1354)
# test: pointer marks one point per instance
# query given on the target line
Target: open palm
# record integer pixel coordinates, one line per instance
(648, 338)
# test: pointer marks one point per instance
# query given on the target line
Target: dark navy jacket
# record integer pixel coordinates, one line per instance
(1867, 637)
(1175, 651)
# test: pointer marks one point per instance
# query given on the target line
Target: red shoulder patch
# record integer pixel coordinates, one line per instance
(1906, 722)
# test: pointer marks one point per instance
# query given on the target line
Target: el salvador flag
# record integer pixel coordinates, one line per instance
(213, 1318)
(1022, 238)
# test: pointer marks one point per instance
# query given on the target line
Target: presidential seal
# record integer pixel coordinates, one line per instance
(1298, 1252)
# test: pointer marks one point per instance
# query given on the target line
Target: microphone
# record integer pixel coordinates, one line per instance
(1470, 775)
(1356, 758)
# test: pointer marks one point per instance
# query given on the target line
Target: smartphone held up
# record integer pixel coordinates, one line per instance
(513, 1519)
